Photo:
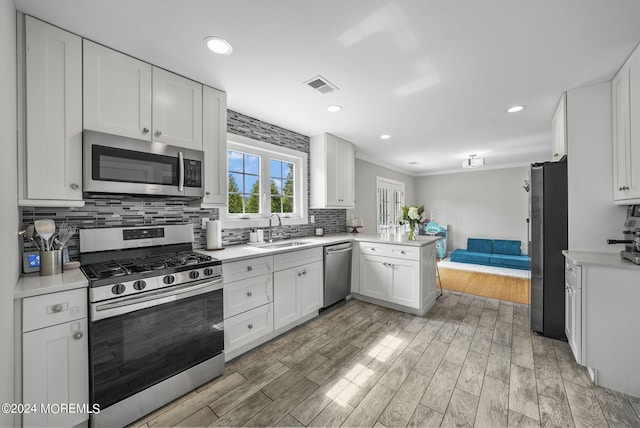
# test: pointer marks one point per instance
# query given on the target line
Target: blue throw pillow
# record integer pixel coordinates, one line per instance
(480, 245)
(503, 246)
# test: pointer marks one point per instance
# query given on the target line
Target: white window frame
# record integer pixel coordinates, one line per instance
(395, 193)
(266, 152)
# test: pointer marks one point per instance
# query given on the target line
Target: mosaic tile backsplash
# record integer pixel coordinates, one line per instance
(141, 211)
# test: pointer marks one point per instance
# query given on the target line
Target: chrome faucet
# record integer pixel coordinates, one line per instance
(279, 224)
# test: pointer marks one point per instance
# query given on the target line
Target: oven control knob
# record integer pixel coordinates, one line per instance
(118, 289)
(139, 285)
(169, 279)
(194, 274)
(208, 271)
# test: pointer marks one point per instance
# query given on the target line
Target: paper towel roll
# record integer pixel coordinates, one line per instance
(214, 235)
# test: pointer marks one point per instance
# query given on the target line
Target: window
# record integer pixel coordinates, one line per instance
(244, 182)
(264, 179)
(282, 187)
(390, 198)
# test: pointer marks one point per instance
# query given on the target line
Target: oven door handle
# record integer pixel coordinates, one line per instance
(129, 304)
(180, 172)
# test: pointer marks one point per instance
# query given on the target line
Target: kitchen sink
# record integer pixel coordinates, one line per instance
(284, 244)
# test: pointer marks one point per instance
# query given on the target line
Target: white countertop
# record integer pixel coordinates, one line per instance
(239, 252)
(602, 259)
(32, 284)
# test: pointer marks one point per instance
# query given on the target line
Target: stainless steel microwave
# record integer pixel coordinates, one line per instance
(115, 164)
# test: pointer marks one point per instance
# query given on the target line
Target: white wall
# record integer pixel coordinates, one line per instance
(9, 256)
(365, 208)
(480, 204)
(593, 217)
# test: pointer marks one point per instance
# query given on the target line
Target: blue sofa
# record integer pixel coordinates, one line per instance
(492, 252)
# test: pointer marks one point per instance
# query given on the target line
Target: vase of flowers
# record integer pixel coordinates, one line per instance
(411, 215)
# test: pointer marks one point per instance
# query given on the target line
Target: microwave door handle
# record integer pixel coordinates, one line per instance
(180, 172)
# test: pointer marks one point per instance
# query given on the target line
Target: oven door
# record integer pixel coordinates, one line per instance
(137, 342)
(114, 164)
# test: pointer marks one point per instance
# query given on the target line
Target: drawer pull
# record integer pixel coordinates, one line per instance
(250, 326)
(403, 252)
(249, 294)
(249, 268)
(373, 249)
(57, 308)
(77, 335)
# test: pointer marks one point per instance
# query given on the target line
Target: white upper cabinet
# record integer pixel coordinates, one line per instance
(125, 96)
(116, 92)
(332, 172)
(559, 129)
(50, 142)
(214, 137)
(626, 131)
(177, 110)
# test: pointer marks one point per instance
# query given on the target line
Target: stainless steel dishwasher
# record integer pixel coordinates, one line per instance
(337, 272)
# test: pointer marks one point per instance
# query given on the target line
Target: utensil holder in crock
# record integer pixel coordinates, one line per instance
(50, 262)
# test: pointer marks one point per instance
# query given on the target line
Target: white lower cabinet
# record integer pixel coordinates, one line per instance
(297, 285)
(397, 274)
(374, 279)
(404, 275)
(573, 308)
(247, 297)
(55, 361)
(247, 327)
(601, 313)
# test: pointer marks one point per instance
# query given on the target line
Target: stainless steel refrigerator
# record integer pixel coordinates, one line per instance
(549, 225)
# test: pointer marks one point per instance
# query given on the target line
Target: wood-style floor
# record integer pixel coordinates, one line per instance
(508, 288)
(471, 361)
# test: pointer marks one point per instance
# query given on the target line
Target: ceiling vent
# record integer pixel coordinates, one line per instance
(321, 85)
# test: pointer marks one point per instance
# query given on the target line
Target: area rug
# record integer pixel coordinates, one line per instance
(518, 273)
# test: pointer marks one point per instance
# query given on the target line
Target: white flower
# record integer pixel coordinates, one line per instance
(413, 213)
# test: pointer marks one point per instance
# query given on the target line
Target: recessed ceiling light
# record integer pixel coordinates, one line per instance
(515, 109)
(334, 108)
(218, 45)
(385, 136)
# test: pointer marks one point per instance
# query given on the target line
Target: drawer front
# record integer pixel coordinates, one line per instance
(247, 327)
(55, 308)
(297, 258)
(374, 249)
(242, 269)
(404, 252)
(241, 296)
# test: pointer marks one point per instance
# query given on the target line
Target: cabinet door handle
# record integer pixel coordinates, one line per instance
(77, 335)
(145, 131)
(304, 272)
(74, 186)
(56, 308)
(249, 268)
(570, 269)
(249, 294)
(207, 193)
(299, 273)
(250, 326)
(158, 133)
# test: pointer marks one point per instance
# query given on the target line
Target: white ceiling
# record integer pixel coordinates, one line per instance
(435, 75)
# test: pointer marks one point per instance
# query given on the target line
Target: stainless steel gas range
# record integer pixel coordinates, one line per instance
(156, 320)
